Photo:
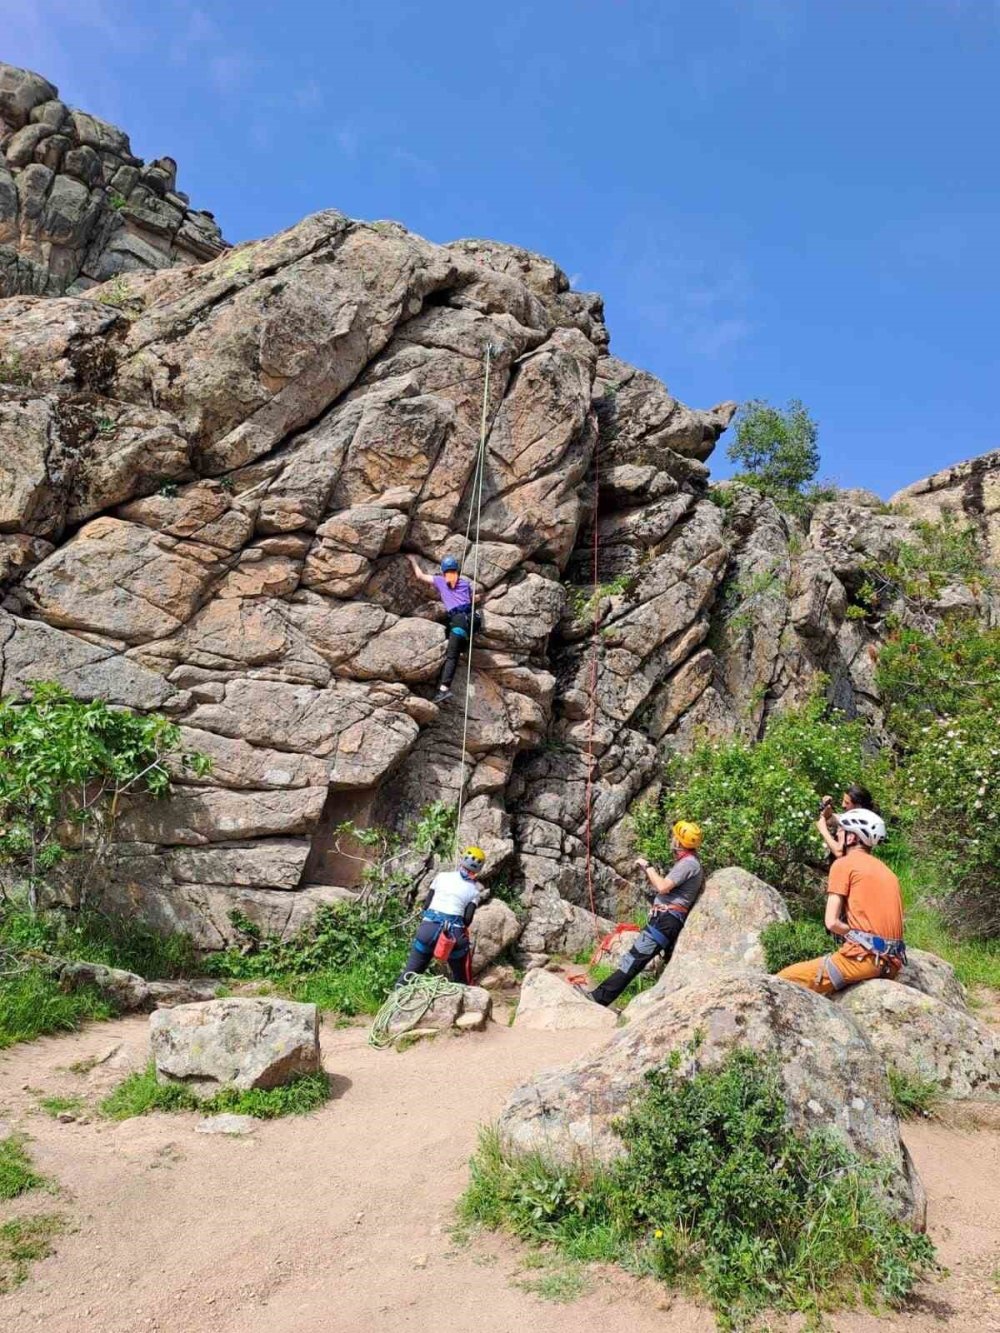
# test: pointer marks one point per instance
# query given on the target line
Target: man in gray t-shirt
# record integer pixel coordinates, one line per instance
(671, 898)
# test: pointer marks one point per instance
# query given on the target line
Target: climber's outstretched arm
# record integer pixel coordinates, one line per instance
(418, 573)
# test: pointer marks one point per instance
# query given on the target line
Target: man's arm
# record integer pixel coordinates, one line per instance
(836, 911)
(426, 579)
(661, 883)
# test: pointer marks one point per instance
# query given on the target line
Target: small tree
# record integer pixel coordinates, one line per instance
(65, 768)
(776, 448)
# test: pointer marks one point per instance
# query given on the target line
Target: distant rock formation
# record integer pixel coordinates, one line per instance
(76, 205)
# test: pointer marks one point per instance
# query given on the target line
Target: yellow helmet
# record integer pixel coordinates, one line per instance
(687, 834)
(473, 858)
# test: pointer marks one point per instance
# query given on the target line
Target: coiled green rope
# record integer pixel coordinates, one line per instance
(410, 1001)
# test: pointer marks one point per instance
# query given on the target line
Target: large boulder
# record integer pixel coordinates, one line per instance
(234, 1043)
(494, 929)
(549, 1004)
(126, 991)
(931, 975)
(927, 1038)
(832, 1077)
(722, 931)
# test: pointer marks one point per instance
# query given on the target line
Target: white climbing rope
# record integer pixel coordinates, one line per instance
(475, 506)
(409, 1002)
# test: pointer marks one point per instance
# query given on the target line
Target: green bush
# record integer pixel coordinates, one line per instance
(758, 803)
(346, 958)
(65, 768)
(95, 937)
(715, 1189)
(142, 1092)
(914, 1098)
(943, 697)
(788, 942)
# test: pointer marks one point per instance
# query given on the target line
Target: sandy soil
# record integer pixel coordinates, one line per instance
(340, 1221)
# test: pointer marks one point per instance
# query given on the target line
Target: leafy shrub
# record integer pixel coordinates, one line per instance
(943, 697)
(142, 1092)
(758, 803)
(65, 768)
(714, 1188)
(346, 958)
(95, 937)
(788, 942)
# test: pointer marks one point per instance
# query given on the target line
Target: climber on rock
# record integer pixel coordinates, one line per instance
(458, 599)
(864, 910)
(671, 898)
(443, 932)
(828, 825)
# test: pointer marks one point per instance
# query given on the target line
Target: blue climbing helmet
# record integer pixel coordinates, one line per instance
(448, 564)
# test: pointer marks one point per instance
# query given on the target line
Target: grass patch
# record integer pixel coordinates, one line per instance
(55, 1106)
(788, 942)
(97, 937)
(559, 1281)
(22, 1242)
(914, 1098)
(31, 1004)
(142, 1092)
(17, 1173)
(715, 1193)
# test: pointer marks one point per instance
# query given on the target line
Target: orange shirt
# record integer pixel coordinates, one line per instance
(874, 902)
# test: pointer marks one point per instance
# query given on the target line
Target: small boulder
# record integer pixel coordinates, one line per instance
(926, 1038)
(125, 990)
(832, 1077)
(722, 932)
(494, 929)
(234, 1043)
(549, 1004)
(443, 1013)
(182, 990)
(931, 975)
(234, 1126)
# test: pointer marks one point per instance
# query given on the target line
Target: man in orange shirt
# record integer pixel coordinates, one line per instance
(864, 909)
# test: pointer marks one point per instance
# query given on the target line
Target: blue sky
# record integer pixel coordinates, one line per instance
(777, 198)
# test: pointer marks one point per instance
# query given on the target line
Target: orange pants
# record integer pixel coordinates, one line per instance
(814, 973)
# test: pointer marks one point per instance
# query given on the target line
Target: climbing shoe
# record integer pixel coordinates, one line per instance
(443, 694)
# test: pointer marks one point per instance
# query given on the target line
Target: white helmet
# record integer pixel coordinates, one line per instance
(868, 828)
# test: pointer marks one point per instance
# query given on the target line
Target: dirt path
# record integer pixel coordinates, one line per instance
(339, 1221)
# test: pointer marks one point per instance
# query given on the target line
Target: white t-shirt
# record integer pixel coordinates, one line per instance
(453, 893)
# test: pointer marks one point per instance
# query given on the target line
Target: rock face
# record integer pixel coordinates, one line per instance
(927, 1038)
(494, 929)
(77, 207)
(968, 492)
(235, 1043)
(549, 1004)
(723, 933)
(832, 1077)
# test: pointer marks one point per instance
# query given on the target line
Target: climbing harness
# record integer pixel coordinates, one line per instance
(475, 507)
(410, 1002)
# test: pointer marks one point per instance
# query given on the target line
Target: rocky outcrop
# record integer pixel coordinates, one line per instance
(968, 492)
(234, 1043)
(832, 1078)
(77, 207)
(927, 1039)
(549, 1004)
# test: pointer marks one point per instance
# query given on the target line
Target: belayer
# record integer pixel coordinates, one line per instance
(449, 907)
(456, 595)
(864, 910)
(671, 898)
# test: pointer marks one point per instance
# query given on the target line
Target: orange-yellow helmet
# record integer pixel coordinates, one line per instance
(687, 834)
(473, 859)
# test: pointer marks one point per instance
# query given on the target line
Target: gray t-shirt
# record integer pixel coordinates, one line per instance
(688, 880)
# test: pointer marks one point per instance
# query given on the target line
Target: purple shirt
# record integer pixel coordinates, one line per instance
(458, 598)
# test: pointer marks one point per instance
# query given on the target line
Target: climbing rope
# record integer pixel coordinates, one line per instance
(476, 507)
(409, 1002)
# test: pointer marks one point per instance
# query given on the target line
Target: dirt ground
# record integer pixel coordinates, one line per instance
(339, 1222)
